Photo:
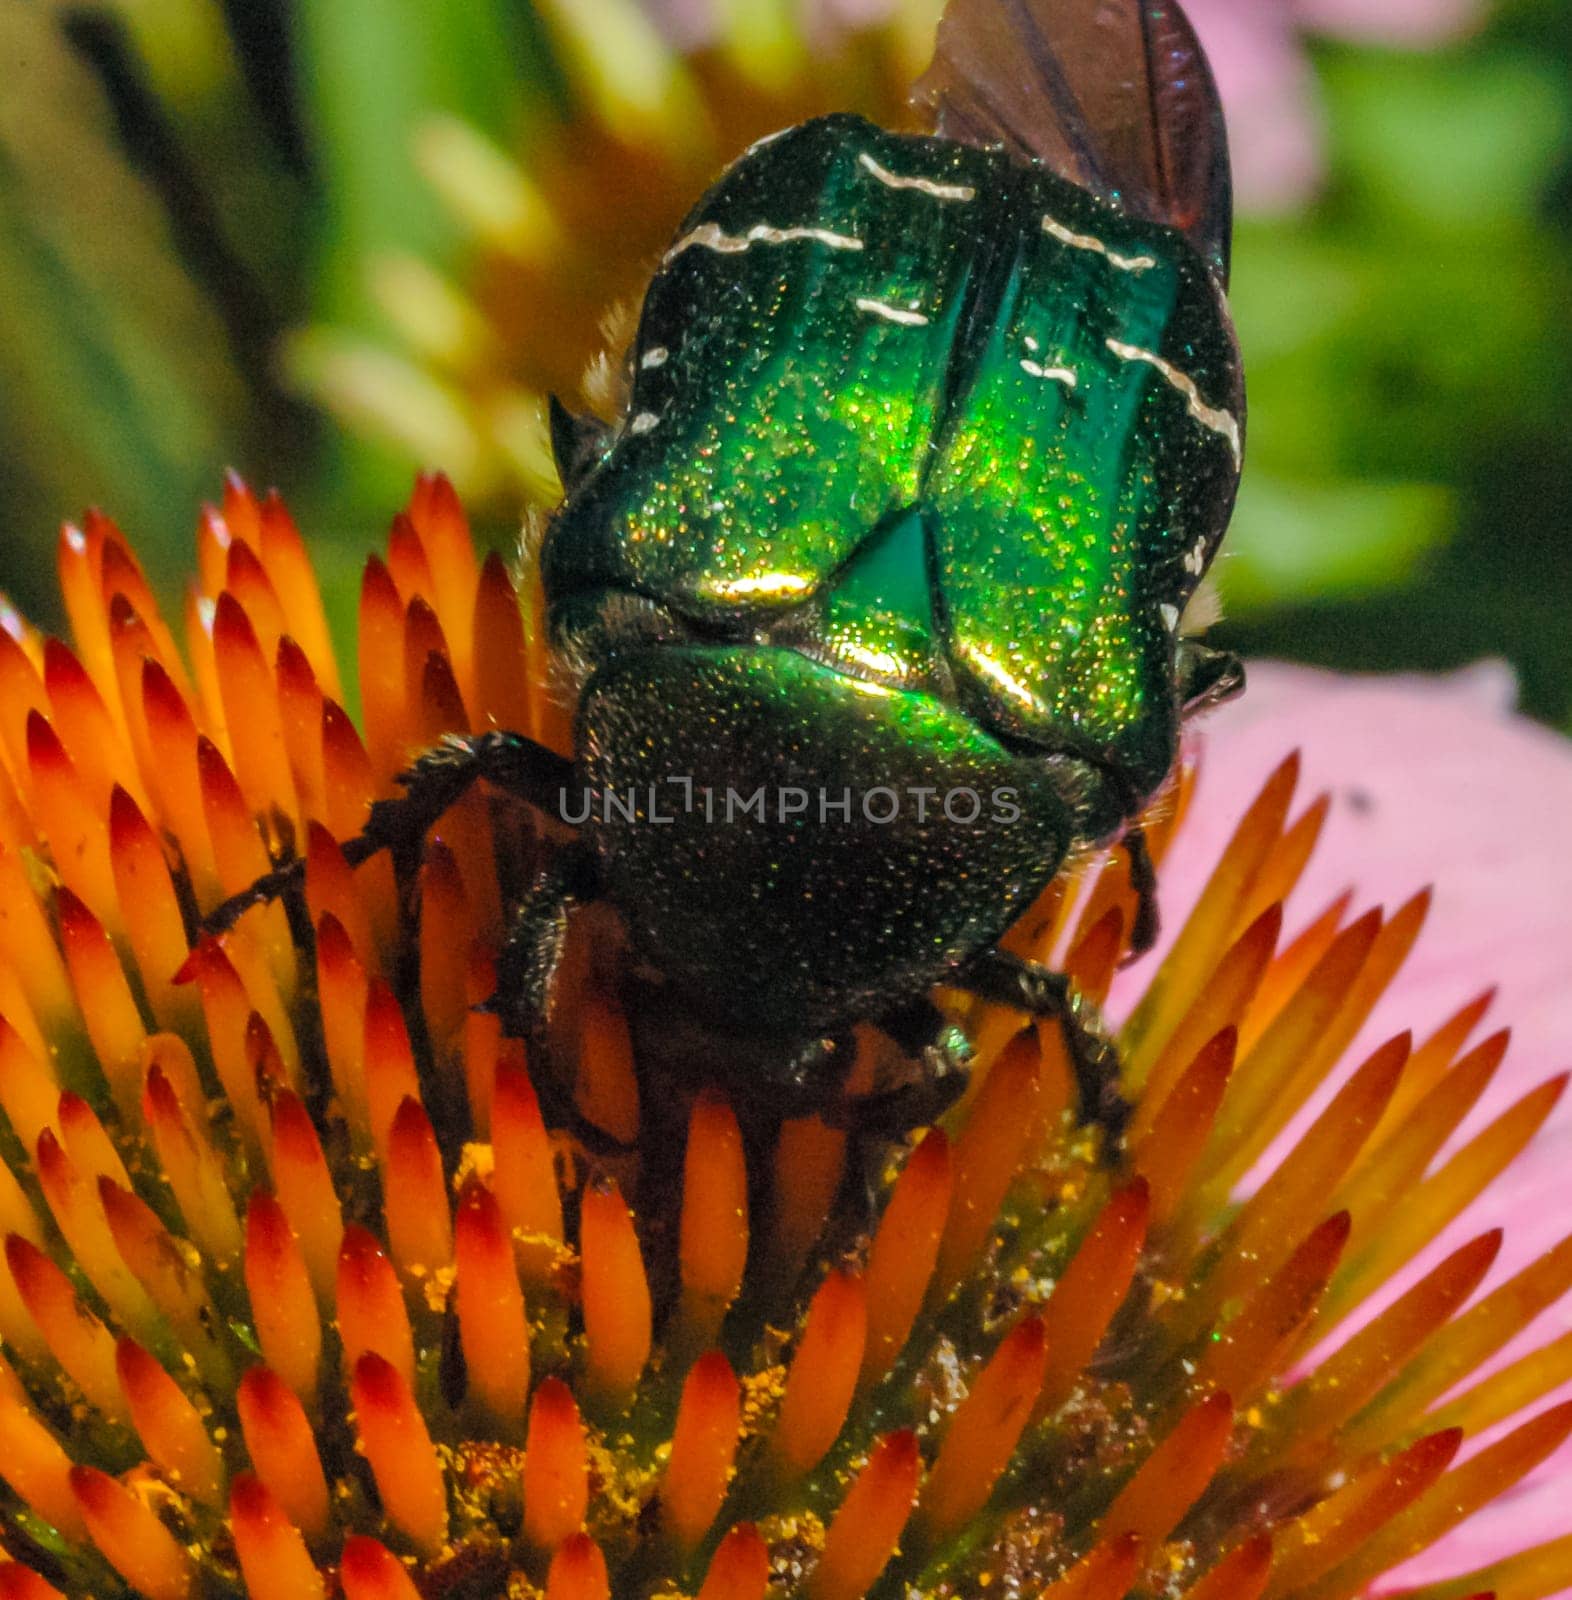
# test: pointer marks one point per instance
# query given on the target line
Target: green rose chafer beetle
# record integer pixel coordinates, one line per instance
(873, 596)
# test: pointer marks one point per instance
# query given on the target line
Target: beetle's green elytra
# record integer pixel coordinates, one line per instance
(856, 329)
(874, 595)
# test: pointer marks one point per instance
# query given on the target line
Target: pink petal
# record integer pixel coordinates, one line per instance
(687, 23)
(1274, 121)
(691, 23)
(1400, 22)
(857, 13)
(1433, 780)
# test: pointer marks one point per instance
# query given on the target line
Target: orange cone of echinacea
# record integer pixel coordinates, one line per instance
(302, 1296)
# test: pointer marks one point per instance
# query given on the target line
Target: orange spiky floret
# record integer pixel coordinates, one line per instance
(493, 1330)
(283, 1451)
(171, 1429)
(741, 1568)
(303, 1293)
(703, 1447)
(369, 1571)
(555, 1480)
(823, 1375)
(394, 1437)
(274, 1561)
(131, 1537)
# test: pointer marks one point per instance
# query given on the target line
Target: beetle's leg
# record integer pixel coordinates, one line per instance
(806, 1084)
(531, 953)
(923, 1031)
(874, 1122)
(1143, 883)
(1207, 677)
(526, 970)
(431, 785)
(1007, 980)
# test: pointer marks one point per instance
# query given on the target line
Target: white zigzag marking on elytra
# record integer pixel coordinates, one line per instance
(711, 236)
(1086, 241)
(908, 319)
(940, 191)
(1209, 416)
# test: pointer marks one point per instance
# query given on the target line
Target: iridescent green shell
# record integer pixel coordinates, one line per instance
(939, 417)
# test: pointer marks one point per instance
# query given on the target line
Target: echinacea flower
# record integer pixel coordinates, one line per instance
(302, 1296)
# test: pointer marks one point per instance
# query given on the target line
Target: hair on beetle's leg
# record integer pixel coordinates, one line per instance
(436, 781)
(532, 950)
(1007, 980)
(526, 970)
(1143, 884)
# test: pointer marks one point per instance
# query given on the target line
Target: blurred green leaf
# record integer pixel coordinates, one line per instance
(181, 62)
(373, 71)
(1460, 141)
(1405, 333)
(116, 379)
(1291, 539)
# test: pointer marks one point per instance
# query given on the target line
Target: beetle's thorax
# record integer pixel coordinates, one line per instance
(789, 844)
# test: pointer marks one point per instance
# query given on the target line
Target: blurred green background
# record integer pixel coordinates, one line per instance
(329, 241)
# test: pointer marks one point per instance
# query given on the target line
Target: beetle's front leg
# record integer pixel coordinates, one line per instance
(434, 783)
(527, 967)
(1007, 980)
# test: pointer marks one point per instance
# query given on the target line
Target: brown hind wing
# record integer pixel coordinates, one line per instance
(1115, 95)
